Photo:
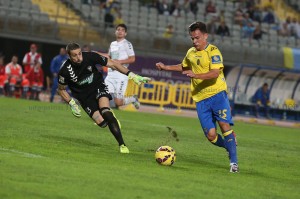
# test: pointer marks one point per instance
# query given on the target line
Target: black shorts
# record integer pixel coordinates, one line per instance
(90, 103)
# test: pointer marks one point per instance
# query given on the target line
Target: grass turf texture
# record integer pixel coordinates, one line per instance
(45, 152)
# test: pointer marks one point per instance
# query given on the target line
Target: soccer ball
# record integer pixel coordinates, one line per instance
(165, 155)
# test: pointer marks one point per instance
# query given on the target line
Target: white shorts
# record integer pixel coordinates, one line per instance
(117, 86)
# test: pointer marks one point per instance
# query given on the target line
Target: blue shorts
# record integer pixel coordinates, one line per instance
(215, 108)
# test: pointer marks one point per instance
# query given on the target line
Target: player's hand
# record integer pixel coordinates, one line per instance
(189, 73)
(75, 108)
(160, 66)
(138, 79)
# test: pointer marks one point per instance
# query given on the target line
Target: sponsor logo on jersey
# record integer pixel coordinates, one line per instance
(74, 78)
(87, 80)
(213, 48)
(216, 59)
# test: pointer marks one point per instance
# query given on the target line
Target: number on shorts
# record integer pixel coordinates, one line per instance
(222, 113)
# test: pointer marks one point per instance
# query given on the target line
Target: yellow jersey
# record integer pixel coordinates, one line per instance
(202, 62)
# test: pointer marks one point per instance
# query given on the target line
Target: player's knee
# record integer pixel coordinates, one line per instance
(109, 117)
(211, 135)
(107, 114)
(102, 124)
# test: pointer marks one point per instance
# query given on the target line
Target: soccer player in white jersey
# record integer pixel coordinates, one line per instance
(120, 51)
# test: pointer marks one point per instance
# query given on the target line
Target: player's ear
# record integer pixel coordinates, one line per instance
(205, 35)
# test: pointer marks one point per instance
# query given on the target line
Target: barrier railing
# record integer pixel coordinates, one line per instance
(182, 97)
(162, 94)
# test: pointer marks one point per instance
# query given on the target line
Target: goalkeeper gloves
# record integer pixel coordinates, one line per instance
(75, 108)
(138, 79)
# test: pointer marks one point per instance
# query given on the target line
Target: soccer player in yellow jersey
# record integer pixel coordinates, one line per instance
(203, 63)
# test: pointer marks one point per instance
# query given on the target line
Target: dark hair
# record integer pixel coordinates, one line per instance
(198, 25)
(122, 25)
(72, 46)
(265, 84)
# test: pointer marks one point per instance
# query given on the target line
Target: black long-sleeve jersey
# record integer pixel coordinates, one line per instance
(82, 79)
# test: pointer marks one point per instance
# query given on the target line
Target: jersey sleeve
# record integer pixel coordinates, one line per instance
(99, 59)
(216, 59)
(185, 62)
(62, 77)
(129, 49)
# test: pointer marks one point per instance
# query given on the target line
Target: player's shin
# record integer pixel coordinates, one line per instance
(112, 124)
(218, 141)
(229, 141)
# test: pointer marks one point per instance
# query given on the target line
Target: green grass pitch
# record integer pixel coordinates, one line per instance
(45, 152)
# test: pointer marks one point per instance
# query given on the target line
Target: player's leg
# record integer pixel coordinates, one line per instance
(12, 84)
(112, 122)
(120, 98)
(25, 87)
(90, 106)
(2, 83)
(111, 86)
(54, 88)
(222, 113)
(208, 123)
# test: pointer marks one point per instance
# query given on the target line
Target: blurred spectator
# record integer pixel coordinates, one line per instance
(221, 16)
(119, 19)
(2, 76)
(56, 63)
(250, 3)
(169, 31)
(223, 30)
(212, 27)
(36, 79)
(247, 20)
(247, 31)
(16, 78)
(185, 6)
(257, 14)
(250, 12)
(258, 33)
(111, 7)
(194, 6)
(269, 17)
(239, 15)
(269, 5)
(210, 9)
(175, 8)
(261, 99)
(163, 8)
(292, 27)
(283, 30)
(30, 57)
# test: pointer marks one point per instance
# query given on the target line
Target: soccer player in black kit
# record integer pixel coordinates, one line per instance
(80, 74)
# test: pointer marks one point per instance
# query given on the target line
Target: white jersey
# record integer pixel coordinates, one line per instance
(116, 81)
(119, 51)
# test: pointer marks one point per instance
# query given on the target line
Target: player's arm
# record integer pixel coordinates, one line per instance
(65, 95)
(212, 74)
(129, 60)
(177, 67)
(119, 67)
(62, 91)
